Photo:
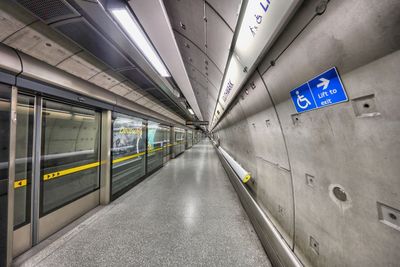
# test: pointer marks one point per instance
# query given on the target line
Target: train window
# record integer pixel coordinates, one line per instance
(70, 154)
(155, 145)
(128, 151)
(23, 162)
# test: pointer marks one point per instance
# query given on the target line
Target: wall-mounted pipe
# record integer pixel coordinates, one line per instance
(242, 173)
(276, 247)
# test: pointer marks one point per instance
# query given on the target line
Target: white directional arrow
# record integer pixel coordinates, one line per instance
(324, 83)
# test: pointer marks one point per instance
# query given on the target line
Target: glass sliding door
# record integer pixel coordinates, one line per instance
(183, 141)
(23, 162)
(70, 154)
(170, 142)
(128, 152)
(57, 166)
(23, 173)
(166, 143)
(189, 139)
(155, 139)
(180, 141)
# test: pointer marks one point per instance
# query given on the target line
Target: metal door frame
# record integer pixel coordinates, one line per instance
(11, 173)
(48, 223)
(35, 177)
(36, 155)
(91, 198)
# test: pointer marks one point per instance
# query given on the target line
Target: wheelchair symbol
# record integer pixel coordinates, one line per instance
(302, 101)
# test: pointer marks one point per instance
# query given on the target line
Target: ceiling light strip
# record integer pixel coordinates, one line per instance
(131, 27)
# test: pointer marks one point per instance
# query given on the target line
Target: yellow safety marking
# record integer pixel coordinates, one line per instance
(246, 178)
(60, 173)
(20, 183)
(57, 174)
(128, 157)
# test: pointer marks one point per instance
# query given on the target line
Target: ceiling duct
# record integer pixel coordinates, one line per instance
(49, 10)
(88, 24)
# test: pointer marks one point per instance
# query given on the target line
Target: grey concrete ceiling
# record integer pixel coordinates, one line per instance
(204, 32)
(22, 31)
(154, 20)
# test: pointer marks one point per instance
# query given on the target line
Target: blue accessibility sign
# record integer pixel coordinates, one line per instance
(324, 90)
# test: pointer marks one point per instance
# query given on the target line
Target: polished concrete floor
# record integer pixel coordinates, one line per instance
(186, 214)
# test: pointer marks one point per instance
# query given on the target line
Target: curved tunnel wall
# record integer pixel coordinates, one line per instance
(298, 159)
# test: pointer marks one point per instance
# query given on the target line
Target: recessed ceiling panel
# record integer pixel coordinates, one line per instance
(228, 9)
(211, 105)
(213, 95)
(201, 84)
(201, 80)
(191, 54)
(219, 38)
(12, 19)
(42, 43)
(106, 79)
(121, 89)
(214, 75)
(200, 63)
(142, 101)
(134, 95)
(155, 21)
(187, 17)
(80, 66)
(150, 104)
(202, 98)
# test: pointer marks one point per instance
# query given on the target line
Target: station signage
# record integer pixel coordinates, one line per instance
(324, 90)
(234, 76)
(261, 24)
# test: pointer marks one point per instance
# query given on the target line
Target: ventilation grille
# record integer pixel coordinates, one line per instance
(90, 39)
(49, 10)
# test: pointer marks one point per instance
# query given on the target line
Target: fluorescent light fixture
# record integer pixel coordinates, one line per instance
(261, 24)
(233, 78)
(191, 111)
(133, 30)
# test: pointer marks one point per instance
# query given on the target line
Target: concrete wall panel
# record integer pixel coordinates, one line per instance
(353, 146)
